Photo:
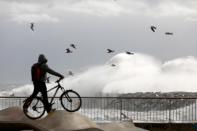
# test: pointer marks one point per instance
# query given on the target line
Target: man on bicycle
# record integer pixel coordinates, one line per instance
(39, 72)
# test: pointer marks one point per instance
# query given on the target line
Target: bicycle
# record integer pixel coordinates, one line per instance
(70, 100)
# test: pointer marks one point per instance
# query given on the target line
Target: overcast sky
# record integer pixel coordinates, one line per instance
(94, 26)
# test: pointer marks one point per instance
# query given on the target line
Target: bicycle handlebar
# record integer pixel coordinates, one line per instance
(57, 81)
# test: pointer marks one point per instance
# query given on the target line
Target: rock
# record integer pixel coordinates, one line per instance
(13, 118)
(121, 126)
(12, 114)
(55, 121)
(59, 120)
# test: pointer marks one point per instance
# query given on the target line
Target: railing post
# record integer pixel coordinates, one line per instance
(170, 111)
(20, 102)
(120, 109)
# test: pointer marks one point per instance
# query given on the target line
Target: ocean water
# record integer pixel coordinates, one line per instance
(15, 89)
(7, 87)
(132, 73)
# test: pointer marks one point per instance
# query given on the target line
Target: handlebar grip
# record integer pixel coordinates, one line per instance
(57, 81)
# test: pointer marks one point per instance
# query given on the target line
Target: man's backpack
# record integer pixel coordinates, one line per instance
(36, 72)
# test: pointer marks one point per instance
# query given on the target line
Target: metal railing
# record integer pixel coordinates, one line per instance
(140, 110)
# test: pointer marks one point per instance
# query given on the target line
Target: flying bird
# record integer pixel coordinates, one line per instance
(169, 33)
(32, 26)
(73, 46)
(68, 50)
(110, 51)
(153, 28)
(129, 53)
(47, 79)
(70, 73)
(113, 65)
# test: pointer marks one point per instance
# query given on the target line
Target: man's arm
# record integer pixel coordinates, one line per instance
(50, 71)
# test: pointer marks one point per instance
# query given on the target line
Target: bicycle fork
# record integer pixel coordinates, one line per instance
(68, 97)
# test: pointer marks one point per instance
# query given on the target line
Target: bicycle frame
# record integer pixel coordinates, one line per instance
(58, 87)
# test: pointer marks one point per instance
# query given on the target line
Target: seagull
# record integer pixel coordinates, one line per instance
(12, 95)
(169, 33)
(70, 73)
(153, 28)
(68, 50)
(129, 53)
(110, 51)
(32, 26)
(47, 79)
(113, 65)
(124, 115)
(73, 46)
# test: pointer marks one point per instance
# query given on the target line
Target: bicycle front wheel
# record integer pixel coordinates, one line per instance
(70, 100)
(33, 108)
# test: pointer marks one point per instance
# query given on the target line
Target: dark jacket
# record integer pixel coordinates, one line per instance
(42, 61)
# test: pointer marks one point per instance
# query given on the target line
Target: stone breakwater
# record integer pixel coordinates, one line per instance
(13, 119)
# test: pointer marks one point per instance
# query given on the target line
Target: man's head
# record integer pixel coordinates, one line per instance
(42, 59)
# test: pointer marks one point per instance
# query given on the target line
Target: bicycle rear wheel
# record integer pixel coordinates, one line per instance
(33, 108)
(70, 100)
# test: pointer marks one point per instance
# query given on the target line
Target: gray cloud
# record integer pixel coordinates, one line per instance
(93, 25)
(52, 11)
